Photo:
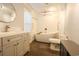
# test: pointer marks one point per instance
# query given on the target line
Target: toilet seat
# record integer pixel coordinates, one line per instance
(54, 40)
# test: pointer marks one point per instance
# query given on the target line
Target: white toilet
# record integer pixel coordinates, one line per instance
(54, 44)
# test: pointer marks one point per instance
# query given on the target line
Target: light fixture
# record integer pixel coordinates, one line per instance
(47, 9)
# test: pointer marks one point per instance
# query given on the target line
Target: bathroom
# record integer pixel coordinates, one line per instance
(38, 29)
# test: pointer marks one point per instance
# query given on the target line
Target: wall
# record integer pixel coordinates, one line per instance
(72, 25)
(2, 26)
(17, 24)
(49, 21)
(61, 21)
(34, 25)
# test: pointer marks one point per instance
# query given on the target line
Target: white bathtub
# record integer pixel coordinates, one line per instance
(44, 37)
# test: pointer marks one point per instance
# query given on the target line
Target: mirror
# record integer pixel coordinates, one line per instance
(7, 12)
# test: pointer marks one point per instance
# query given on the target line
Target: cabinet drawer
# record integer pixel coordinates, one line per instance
(9, 39)
(0, 51)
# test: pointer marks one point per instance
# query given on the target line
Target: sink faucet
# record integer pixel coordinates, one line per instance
(6, 28)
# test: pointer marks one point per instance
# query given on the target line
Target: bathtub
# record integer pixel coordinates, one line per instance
(44, 37)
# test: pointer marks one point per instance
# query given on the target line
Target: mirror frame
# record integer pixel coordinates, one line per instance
(13, 10)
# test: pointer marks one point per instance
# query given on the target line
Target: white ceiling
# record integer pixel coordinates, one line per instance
(38, 7)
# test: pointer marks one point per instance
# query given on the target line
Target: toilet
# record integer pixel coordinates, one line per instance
(54, 44)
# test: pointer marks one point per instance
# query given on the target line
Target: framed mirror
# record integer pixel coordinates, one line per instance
(7, 12)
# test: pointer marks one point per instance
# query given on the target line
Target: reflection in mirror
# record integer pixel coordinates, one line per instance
(7, 12)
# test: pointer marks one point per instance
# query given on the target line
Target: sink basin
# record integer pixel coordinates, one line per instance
(54, 40)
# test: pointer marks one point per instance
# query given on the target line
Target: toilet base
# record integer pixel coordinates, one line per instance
(55, 47)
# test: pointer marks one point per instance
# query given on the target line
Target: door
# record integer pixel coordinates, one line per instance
(10, 49)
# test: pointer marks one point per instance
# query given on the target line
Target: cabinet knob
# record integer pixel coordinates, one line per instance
(17, 43)
(8, 40)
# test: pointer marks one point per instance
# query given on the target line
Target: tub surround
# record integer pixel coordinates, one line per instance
(14, 43)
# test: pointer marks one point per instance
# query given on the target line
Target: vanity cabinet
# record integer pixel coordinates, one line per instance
(14, 48)
(10, 39)
(15, 45)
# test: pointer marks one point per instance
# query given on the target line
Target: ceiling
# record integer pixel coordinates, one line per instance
(39, 7)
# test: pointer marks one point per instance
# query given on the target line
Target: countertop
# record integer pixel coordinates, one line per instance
(71, 47)
(4, 34)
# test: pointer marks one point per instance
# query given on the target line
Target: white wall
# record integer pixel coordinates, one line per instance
(17, 24)
(34, 25)
(49, 21)
(61, 23)
(2, 26)
(72, 25)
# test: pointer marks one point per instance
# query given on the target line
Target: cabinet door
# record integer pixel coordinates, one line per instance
(26, 43)
(9, 50)
(20, 48)
(26, 46)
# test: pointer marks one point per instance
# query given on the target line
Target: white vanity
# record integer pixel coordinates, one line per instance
(14, 43)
